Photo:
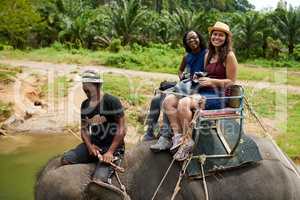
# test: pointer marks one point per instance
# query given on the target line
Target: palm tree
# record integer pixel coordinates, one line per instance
(288, 24)
(160, 27)
(268, 30)
(247, 33)
(184, 20)
(127, 18)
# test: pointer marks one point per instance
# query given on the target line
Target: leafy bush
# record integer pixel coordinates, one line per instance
(115, 45)
(274, 48)
(136, 47)
(58, 46)
(296, 53)
(17, 22)
(120, 60)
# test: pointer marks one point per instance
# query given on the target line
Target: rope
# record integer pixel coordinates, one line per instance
(74, 134)
(270, 137)
(123, 188)
(182, 173)
(255, 116)
(202, 161)
(162, 180)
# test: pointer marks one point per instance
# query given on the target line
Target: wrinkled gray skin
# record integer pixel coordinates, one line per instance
(271, 179)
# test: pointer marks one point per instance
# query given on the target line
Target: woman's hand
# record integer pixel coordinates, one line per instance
(206, 82)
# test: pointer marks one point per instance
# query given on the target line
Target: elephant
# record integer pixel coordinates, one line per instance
(273, 178)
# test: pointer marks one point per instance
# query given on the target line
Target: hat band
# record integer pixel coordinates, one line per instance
(92, 80)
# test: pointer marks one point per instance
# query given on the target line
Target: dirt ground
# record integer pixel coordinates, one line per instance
(33, 112)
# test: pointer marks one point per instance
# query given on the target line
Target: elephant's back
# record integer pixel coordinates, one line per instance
(272, 178)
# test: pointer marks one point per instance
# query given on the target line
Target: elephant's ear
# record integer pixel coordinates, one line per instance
(103, 191)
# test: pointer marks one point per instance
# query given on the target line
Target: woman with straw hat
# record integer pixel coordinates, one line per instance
(221, 67)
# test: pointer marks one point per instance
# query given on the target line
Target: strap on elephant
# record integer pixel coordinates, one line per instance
(122, 186)
(181, 175)
(188, 161)
(162, 180)
(183, 171)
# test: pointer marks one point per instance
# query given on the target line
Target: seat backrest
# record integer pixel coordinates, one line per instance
(235, 90)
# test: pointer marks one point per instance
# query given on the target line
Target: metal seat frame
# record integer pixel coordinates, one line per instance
(231, 112)
(236, 112)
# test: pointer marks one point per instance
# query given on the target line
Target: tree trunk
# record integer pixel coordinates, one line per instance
(264, 48)
(291, 48)
(158, 6)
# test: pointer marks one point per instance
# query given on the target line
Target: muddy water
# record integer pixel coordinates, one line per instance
(21, 157)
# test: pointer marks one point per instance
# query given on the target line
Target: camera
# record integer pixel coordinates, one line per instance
(200, 74)
(195, 82)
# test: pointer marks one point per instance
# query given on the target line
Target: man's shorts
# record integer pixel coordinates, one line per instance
(80, 154)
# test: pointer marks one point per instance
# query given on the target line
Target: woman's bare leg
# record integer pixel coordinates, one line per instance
(185, 114)
(170, 106)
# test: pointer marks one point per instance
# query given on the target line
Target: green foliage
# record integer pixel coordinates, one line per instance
(274, 48)
(296, 53)
(127, 19)
(8, 74)
(184, 20)
(18, 20)
(58, 46)
(209, 5)
(80, 31)
(288, 22)
(159, 58)
(121, 60)
(247, 34)
(5, 110)
(157, 28)
(115, 45)
(92, 24)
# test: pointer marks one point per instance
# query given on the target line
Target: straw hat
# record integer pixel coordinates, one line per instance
(220, 26)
